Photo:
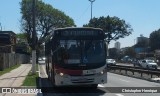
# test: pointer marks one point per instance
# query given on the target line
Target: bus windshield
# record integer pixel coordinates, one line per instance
(82, 51)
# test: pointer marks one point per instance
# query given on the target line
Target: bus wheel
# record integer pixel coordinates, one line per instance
(53, 78)
(147, 67)
(94, 86)
(46, 70)
(156, 68)
(49, 75)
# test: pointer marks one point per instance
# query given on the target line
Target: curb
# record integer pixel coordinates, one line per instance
(40, 82)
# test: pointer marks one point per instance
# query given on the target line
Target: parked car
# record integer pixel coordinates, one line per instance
(149, 64)
(110, 61)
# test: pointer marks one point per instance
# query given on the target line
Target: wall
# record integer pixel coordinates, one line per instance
(8, 60)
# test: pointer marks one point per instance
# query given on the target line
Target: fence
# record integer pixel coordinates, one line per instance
(8, 60)
(135, 69)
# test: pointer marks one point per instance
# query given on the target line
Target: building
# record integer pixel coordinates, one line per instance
(142, 44)
(117, 45)
(142, 39)
(7, 42)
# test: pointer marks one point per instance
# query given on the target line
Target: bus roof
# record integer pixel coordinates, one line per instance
(67, 28)
(73, 29)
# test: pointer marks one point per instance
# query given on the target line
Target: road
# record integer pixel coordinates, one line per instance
(129, 64)
(115, 82)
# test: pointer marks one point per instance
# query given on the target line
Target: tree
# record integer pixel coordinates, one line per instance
(21, 38)
(47, 19)
(22, 43)
(50, 18)
(114, 27)
(154, 40)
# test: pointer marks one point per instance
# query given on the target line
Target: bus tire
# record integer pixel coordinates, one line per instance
(49, 75)
(46, 69)
(94, 86)
(53, 78)
(147, 67)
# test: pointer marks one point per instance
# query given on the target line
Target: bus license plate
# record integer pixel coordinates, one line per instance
(86, 72)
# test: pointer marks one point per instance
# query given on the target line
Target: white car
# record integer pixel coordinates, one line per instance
(110, 61)
(149, 64)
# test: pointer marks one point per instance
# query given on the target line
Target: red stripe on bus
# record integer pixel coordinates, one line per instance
(68, 71)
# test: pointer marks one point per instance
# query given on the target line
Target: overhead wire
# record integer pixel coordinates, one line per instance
(84, 12)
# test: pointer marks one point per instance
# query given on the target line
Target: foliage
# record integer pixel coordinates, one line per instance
(47, 19)
(154, 40)
(22, 42)
(21, 38)
(114, 27)
(31, 80)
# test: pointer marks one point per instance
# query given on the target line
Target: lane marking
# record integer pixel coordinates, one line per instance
(119, 95)
(99, 85)
(124, 80)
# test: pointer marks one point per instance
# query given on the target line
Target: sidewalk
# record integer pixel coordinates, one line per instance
(15, 78)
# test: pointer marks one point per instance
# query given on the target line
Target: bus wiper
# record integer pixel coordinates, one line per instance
(57, 49)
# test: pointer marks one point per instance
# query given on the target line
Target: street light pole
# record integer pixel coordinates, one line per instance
(1, 27)
(91, 7)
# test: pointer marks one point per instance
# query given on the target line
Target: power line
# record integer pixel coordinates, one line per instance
(84, 12)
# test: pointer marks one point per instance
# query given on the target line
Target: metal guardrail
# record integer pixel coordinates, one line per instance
(135, 69)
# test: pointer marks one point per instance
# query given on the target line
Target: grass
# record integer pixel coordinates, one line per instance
(9, 69)
(31, 80)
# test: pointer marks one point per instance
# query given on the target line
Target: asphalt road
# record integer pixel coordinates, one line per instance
(129, 64)
(116, 86)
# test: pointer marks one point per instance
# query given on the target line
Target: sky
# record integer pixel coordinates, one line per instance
(142, 15)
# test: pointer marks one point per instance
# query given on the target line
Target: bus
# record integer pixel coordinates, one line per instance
(76, 56)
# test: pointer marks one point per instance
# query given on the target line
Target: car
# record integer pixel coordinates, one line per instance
(110, 61)
(149, 64)
(41, 58)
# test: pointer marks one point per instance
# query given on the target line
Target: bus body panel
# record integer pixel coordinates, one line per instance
(88, 77)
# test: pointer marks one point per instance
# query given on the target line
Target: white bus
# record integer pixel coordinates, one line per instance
(76, 56)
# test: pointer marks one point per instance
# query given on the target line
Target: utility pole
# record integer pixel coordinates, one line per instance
(33, 38)
(1, 27)
(91, 7)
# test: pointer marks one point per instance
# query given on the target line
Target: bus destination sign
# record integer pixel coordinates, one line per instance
(80, 33)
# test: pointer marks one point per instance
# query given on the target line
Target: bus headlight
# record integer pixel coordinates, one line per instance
(102, 72)
(61, 74)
